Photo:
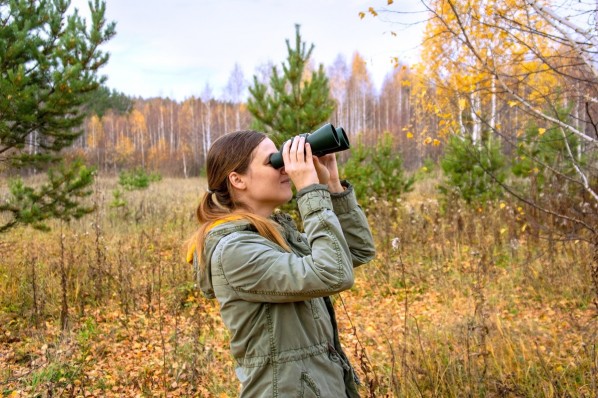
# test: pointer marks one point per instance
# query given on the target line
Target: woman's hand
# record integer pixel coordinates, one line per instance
(299, 163)
(327, 169)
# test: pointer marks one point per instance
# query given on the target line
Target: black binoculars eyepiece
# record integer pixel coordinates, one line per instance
(323, 141)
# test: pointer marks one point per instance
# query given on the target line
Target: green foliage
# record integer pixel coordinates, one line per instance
(49, 66)
(101, 100)
(426, 170)
(377, 171)
(56, 373)
(86, 335)
(471, 172)
(292, 104)
(137, 178)
(48, 69)
(58, 198)
(118, 199)
(359, 171)
(129, 180)
(543, 150)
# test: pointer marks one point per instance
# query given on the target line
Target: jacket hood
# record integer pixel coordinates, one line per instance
(218, 230)
(215, 234)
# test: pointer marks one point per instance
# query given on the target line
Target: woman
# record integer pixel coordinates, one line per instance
(271, 281)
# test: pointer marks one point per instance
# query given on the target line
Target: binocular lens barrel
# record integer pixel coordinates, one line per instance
(323, 141)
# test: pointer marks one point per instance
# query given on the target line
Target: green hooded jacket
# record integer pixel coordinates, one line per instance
(283, 331)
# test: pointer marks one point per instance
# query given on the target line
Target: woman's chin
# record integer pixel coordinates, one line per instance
(289, 195)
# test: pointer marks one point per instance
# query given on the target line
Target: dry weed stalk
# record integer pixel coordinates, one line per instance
(64, 308)
(478, 331)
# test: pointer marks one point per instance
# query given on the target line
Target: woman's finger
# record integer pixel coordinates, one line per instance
(300, 148)
(294, 144)
(286, 152)
(308, 154)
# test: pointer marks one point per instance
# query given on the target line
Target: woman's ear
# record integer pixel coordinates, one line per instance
(237, 181)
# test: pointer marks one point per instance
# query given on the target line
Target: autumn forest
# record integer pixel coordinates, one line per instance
(172, 137)
(477, 169)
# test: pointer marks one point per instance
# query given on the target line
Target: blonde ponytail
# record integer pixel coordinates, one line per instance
(211, 218)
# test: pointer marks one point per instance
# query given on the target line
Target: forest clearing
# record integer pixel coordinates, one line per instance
(457, 303)
(476, 166)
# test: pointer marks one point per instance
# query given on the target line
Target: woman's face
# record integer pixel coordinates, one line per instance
(265, 187)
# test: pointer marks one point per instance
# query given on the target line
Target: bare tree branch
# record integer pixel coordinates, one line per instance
(583, 177)
(551, 17)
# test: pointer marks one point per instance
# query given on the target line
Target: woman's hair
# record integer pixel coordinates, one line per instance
(233, 152)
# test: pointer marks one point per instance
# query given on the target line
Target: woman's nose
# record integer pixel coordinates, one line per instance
(283, 171)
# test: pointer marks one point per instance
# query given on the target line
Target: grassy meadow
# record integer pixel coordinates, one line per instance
(459, 302)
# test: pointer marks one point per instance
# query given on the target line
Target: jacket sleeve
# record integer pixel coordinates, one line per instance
(355, 225)
(258, 270)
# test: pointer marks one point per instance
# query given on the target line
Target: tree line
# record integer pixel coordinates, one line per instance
(504, 101)
(172, 137)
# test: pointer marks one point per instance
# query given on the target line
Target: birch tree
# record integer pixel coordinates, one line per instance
(526, 72)
(235, 90)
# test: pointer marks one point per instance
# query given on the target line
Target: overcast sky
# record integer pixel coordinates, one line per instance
(175, 48)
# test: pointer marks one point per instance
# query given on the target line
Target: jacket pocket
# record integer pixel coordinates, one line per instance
(309, 389)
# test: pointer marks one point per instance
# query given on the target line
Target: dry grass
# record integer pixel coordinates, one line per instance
(463, 304)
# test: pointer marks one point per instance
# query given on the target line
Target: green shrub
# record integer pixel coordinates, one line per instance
(471, 172)
(118, 199)
(137, 179)
(377, 172)
(540, 152)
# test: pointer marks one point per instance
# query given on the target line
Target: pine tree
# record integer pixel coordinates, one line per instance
(103, 99)
(292, 104)
(49, 61)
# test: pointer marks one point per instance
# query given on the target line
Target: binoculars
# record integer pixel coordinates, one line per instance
(323, 141)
